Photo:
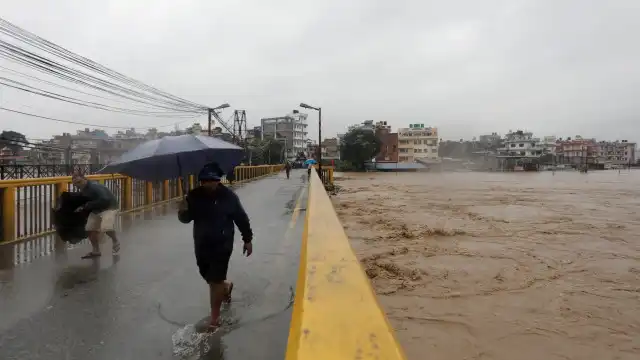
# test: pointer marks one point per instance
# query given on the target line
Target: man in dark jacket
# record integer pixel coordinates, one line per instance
(103, 210)
(287, 168)
(214, 209)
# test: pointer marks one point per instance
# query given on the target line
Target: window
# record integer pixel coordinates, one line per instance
(520, 145)
(513, 145)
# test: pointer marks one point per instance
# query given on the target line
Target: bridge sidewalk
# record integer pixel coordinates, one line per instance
(128, 307)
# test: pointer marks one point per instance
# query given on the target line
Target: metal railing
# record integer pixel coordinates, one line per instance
(326, 175)
(25, 204)
(24, 171)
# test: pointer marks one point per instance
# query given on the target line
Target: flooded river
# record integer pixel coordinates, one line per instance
(502, 265)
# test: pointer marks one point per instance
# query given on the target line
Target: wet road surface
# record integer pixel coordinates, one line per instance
(129, 307)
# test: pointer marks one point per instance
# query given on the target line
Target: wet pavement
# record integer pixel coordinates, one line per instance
(130, 306)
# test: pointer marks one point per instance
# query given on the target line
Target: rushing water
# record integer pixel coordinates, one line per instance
(502, 265)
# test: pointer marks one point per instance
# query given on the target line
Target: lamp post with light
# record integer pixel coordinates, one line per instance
(210, 112)
(303, 105)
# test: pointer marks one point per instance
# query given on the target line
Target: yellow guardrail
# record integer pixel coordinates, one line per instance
(25, 204)
(327, 174)
(335, 314)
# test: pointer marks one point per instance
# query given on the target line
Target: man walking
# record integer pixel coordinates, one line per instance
(287, 168)
(214, 209)
(103, 208)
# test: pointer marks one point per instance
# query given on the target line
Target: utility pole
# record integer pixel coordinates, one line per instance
(210, 113)
(320, 142)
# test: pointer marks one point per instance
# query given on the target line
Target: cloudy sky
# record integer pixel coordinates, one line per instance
(555, 67)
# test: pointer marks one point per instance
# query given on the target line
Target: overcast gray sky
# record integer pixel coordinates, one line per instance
(556, 67)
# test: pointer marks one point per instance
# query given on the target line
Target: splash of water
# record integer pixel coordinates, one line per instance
(189, 344)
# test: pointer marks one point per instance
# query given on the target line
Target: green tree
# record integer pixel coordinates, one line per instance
(359, 146)
(267, 151)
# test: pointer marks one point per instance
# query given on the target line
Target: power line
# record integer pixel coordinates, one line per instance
(31, 39)
(87, 124)
(35, 78)
(37, 62)
(51, 95)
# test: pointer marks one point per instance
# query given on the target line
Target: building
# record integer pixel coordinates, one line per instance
(487, 141)
(388, 143)
(549, 144)
(617, 152)
(418, 143)
(311, 149)
(291, 129)
(330, 149)
(521, 144)
(577, 151)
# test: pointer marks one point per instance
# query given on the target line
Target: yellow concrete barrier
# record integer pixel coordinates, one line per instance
(25, 204)
(335, 314)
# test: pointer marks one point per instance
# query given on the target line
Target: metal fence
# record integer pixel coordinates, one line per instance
(25, 204)
(24, 171)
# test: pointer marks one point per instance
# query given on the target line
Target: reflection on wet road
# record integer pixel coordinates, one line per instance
(61, 307)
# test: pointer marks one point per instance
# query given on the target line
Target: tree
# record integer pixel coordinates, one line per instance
(267, 151)
(359, 146)
(13, 140)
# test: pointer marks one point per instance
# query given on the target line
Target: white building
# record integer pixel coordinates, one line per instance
(291, 129)
(522, 144)
(417, 143)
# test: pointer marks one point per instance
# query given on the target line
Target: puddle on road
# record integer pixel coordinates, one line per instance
(189, 344)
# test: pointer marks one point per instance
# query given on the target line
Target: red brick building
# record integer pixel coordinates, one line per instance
(389, 147)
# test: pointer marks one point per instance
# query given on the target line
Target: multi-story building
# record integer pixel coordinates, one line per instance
(417, 143)
(290, 129)
(521, 144)
(617, 152)
(330, 149)
(486, 141)
(577, 151)
(388, 143)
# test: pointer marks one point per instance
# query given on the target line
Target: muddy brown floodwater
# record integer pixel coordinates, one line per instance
(505, 266)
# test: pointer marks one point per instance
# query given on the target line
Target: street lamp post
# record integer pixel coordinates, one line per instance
(210, 112)
(303, 105)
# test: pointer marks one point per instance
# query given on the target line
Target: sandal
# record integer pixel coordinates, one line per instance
(91, 255)
(227, 297)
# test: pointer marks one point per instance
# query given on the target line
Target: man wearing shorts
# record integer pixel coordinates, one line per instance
(214, 209)
(103, 208)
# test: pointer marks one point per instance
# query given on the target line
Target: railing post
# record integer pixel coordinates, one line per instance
(179, 186)
(148, 193)
(127, 194)
(8, 215)
(166, 195)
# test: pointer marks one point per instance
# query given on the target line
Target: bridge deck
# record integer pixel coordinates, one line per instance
(129, 307)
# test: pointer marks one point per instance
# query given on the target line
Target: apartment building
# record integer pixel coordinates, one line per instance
(617, 152)
(577, 151)
(417, 143)
(521, 144)
(290, 129)
(330, 149)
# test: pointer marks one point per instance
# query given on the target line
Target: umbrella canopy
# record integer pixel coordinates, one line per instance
(173, 156)
(310, 161)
